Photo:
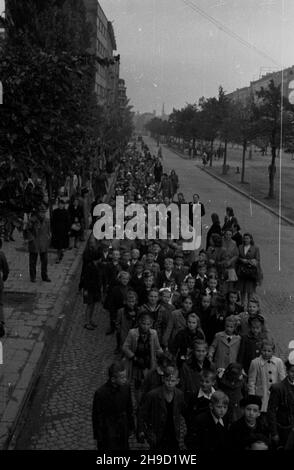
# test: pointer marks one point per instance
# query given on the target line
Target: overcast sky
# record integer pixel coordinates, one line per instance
(171, 54)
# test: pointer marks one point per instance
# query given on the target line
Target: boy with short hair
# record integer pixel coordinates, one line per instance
(250, 346)
(209, 430)
(199, 401)
(159, 419)
(251, 423)
(225, 346)
(112, 411)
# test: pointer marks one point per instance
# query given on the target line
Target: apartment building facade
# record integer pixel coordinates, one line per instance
(283, 77)
(103, 45)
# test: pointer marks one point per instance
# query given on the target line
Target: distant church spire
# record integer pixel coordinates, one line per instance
(162, 112)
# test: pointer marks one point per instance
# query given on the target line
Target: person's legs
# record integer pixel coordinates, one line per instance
(76, 244)
(33, 264)
(89, 314)
(59, 255)
(44, 264)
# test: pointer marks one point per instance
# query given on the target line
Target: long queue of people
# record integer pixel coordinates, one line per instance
(196, 367)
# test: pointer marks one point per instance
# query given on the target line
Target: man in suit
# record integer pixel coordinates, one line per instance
(196, 202)
(209, 431)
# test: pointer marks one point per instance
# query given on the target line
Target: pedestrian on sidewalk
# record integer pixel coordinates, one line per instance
(4, 271)
(91, 283)
(60, 226)
(38, 236)
(76, 219)
(112, 412)
(174, 183)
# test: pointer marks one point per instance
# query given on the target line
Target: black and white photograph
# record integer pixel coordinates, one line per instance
(147, 230)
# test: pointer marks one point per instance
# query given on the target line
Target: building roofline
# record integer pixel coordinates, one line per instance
(112, 35)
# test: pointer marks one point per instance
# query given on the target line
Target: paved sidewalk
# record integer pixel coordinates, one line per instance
(32, 313)
(277, 290)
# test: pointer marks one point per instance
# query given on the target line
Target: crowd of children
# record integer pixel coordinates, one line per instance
(192, 341)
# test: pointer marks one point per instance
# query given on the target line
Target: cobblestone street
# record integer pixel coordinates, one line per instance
(60, 415)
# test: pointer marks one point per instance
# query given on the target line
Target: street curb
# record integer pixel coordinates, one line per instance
(243, 193)
(238, 190)
(12, 422)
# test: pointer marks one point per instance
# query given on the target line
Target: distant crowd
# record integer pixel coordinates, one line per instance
(196, 367)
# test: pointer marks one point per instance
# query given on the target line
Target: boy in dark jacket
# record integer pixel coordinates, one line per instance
(250, 346)
(242, 430)
(112, 412)
(209, 431)
(160, 414)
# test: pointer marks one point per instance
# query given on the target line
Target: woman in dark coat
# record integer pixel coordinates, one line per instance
(91, 283)
(60, 226)
(249, 269)
(158, 171)
(76, 220)
(174, 179)
(215, 228)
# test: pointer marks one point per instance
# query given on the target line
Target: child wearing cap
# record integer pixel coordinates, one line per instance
(232, 382)
(250, 424)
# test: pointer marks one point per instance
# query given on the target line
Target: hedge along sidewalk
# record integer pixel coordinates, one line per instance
(30, 333)
(235, 188)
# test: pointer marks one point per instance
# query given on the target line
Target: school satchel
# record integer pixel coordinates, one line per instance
(248, 271)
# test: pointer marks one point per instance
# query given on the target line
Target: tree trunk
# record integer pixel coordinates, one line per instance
(225, 159)
(271, 173)
(211, 152)
(243, 161)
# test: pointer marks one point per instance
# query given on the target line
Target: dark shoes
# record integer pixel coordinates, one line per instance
(46, 279)
(33, 280)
